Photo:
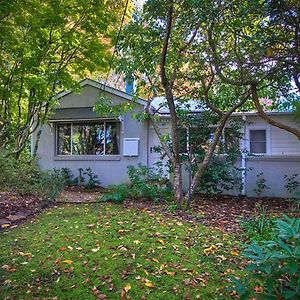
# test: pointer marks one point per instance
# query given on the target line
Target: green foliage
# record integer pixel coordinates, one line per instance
(53, 44)
(221, 176)
(261, 184)
(80, 179)
(117, 194)
(276, 263)
(49, 185)
(92, 179)
(145, 183)
(291, 183)
(148, 183)
(25, 177)
(66, 173)
(260, 226)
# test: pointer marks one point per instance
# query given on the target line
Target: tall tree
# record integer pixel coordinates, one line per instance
(204, 50)
(45, 46)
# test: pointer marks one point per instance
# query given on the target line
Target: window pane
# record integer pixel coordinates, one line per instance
(64, 139)
(112, 138)
(88, 139)
(258, 147)
(258, 141)
(257, 135)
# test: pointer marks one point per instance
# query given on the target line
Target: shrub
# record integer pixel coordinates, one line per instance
(261, 184)
(259, 227)
(49, 185)
(24, 176)
(291, 183)
(148, 183)
(92, 179)
(117, 194)
(275, 263)
(145, 183)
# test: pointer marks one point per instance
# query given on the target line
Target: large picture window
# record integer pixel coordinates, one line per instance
(93, 138)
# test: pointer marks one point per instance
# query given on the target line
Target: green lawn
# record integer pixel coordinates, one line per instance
(106, 250)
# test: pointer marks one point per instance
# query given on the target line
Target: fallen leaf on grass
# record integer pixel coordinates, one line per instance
(124, 291)
(170, 273)
(5, 225)
(8, 268)
(149, 284)
(25, 254)
(234, 253)
(68, 261)
(96, 249)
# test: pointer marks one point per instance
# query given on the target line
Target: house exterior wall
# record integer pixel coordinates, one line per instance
(110, 169)
(282, 158)
(273, 168)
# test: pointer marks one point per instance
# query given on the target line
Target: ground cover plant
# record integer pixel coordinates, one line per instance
(275, 262)
(109, 251)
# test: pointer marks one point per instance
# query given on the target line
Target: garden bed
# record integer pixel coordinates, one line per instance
(225, 212)
(15, 208)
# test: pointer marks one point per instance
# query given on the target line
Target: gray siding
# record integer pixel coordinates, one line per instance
(110, 169)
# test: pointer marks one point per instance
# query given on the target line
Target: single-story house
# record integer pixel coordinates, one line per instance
(76, 137)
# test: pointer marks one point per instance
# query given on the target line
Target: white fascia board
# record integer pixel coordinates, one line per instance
(102, 87)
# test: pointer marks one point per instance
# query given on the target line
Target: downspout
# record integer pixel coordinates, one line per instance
(147, 142)
(244, 157)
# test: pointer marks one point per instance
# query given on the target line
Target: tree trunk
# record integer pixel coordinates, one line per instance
(206, 161)
(178, 184)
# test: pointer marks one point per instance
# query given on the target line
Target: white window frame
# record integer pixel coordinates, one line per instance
(268, 139)
(72, 122)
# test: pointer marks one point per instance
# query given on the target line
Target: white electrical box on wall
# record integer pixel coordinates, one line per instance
(131, 147)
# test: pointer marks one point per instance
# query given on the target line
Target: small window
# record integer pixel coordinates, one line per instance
(93, 138)
(258, 141)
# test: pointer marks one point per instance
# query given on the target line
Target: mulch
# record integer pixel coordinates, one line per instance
(223, 212)
(15, 207)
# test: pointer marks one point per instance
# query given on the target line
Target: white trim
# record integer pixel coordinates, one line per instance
(56, 155)
(268, 138)
(104, 88)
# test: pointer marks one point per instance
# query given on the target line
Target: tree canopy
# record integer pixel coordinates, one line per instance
(46, 46)
(226, 54)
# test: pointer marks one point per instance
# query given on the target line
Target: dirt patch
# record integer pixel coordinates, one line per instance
(78, 194)
(15, 208)
(224, 212)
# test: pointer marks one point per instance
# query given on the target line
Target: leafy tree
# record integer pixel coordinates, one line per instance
(45, 47)
(214, 51)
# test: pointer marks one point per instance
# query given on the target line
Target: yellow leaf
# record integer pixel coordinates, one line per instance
(155, 259)
(234, 253)
(68, 261)
(136, 242)
(96, 249)
(149, 284)
(161, 241)
(5, 225)
(127, 288)
(170, 273)
(24, 254)
(146, 272)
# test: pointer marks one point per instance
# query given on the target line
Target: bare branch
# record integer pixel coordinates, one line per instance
(265, 117)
